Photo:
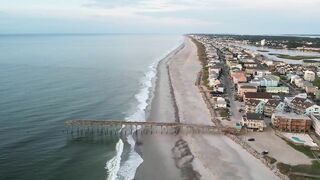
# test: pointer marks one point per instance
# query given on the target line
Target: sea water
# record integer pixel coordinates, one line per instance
(47, 79)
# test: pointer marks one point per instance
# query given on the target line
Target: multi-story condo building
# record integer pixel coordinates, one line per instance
(273, 106)
(262, 96)
(303, 106)
(291, 122)
(254, 106)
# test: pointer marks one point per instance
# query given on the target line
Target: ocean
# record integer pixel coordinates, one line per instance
(48, 79)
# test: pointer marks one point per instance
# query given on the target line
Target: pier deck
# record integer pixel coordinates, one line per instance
(143, 126)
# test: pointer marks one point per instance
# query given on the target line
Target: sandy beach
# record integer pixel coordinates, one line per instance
(214, 157)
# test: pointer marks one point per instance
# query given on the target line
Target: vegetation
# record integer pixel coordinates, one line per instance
(284, 168)
(283, 77)
(224, 112)
(271, 160)
(300, 171)
(304, 149)
(298, 57)
(316, 82)
(203, 59)
(277, 41)
(201, 52)
(314, 168)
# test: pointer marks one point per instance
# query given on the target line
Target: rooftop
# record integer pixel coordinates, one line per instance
(254, 116)
(273, 102)
(291, 115)
(258, 95)
(253, 102)
(268, 78)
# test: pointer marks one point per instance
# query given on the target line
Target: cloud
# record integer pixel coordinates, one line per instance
(161, 14)
(141, 11)
(171, 5)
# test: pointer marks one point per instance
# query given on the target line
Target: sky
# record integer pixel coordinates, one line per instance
(160, 16)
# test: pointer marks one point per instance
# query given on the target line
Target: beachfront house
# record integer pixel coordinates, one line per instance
(221, 102)
(253, 121)
(218, 88)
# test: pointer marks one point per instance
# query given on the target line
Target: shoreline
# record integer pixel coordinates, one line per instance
(164, 99)
(206, 156)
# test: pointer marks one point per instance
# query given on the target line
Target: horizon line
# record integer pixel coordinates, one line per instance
(68, 33)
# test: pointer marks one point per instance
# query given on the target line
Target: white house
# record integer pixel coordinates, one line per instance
(221, 103)
(309, 75)
(262, 73)
(268, 81)
(253, 121)
(281, 89)
(293, 77)
(268, 62)
(214, 82)
(215, 69)
(218, 88)
(298, 82)
(313, 109)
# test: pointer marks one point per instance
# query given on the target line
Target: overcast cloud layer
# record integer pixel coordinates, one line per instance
(160, 16)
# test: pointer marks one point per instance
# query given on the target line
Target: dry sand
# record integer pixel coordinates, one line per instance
(215, 157)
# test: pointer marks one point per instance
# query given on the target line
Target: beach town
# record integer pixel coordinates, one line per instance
(271, 103)
(263, 114)
(160, 90)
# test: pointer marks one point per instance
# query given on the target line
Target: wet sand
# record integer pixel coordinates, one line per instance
(156, 149)
(214, 157)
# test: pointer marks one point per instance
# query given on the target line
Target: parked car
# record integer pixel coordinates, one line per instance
(265, 152)
(251, 139)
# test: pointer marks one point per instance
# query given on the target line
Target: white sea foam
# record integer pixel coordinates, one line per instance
(113, 165)
(128, 168)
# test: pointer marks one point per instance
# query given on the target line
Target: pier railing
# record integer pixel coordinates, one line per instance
(110, 127)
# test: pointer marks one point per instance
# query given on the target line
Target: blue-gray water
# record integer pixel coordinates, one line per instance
(47, 79)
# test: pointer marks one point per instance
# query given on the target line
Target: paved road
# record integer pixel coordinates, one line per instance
(229, 87)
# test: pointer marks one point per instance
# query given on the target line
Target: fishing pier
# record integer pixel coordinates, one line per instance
(120, 127)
